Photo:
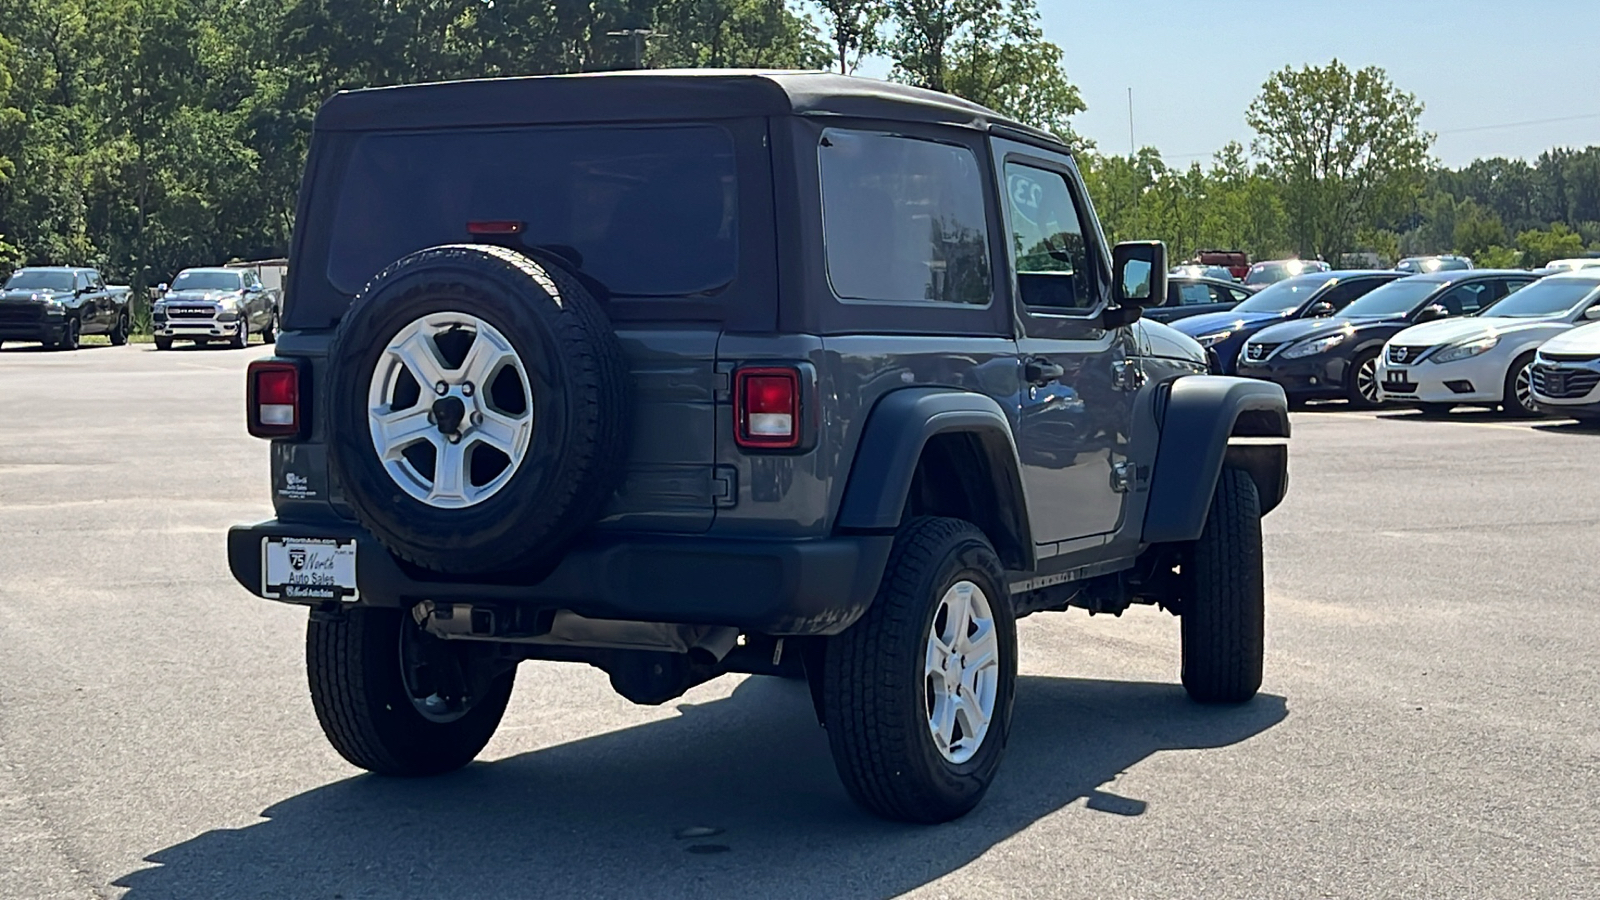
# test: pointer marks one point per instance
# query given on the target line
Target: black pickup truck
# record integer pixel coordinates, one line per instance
(58, 305)
(683, 374)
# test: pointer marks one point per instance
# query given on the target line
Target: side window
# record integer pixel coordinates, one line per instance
(1511, 287)
(1346, 292)
(1467, 299)
(1238, 295)
(1052, 260)
(250, 279)
(80, 281)
(95, 283)
(1194, 294)
(903, 219)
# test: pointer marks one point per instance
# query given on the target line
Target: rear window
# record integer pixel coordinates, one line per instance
(647, 212)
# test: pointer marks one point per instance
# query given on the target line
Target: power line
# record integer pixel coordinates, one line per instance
(1520, 124)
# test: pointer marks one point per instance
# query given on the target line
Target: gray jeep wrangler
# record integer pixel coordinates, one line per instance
(684, 374)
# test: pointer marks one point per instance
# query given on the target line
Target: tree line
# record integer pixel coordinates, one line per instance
(1340, 169)
(143, 136)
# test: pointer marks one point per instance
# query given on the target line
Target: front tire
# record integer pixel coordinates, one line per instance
(241, 339)
(1517, 401)
(369, 706)
(1224, 604)
(163, 343)
(1362, 390)
(71, 334)
(917, 694)
(119, 331)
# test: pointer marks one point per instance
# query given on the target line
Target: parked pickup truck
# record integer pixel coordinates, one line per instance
(681, 375)
(57, 305)
(220, 304)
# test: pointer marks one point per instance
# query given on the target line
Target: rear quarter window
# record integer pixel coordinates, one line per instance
(646, 211)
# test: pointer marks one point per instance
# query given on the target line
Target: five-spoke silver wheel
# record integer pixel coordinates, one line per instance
(450, 410)
(961, 671)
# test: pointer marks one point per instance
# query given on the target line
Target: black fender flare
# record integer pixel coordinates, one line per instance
(1199, 416)
(898, 429)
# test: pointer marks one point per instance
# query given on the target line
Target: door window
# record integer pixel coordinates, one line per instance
(1052, 258)
(1346, 292)
(1466, 299)
(903, 219)
(1196, 294)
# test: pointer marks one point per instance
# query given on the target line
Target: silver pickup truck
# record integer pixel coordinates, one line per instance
(219, 304)
(58, 305)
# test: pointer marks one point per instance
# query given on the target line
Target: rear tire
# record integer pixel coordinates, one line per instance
(1517, 401)
(878, 679)
(163, 343)
(269, 334)
(1224, 603)
(367, 708)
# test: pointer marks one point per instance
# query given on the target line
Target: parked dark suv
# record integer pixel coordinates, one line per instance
(681, 374)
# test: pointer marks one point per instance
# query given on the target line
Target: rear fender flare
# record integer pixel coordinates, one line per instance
(897, 431)
(1201, 416)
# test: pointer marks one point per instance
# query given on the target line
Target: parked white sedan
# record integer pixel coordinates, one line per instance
(1566, 375)
(1485, 360)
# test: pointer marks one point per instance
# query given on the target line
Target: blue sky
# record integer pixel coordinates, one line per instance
(1195, 65)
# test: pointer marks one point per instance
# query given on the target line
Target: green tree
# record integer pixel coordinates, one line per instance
(1346, 147)
(1540, 246)
(1476, 229)
(853, 29)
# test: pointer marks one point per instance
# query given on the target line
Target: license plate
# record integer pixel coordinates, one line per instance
(1396, 378)
(308, 569)
(1555, 384)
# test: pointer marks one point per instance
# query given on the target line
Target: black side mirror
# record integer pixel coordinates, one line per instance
(1434, 311)
(1139, 273)
(1320, 309)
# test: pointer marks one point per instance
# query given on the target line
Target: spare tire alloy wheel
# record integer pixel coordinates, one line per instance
(479, 410)
(451, 432)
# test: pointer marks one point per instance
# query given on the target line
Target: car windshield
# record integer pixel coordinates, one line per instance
(1550, 297)
(1397, 298)
(646, 211)
(25, 280)
(206, 281)
(1283, 296)
(1274, 272)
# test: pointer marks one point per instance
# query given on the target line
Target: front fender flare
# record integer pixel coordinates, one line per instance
(1199, 416)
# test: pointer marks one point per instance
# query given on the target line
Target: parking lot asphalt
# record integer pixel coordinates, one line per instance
(1428, 725)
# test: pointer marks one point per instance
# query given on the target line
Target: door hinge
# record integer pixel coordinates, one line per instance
(724, 487)
(1127, 375)
(1122, 476)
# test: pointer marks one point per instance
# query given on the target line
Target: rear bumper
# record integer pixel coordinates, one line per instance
(778, 587)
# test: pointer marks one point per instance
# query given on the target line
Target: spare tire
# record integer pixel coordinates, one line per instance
(479, 409)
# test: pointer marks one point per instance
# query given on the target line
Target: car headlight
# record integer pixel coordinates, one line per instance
(1313, 347)
(54, 306)
(1213, 339)
(1466, 350)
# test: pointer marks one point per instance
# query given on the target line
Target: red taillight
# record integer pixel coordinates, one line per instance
(272, 399)
(768, 404)
(495, 226)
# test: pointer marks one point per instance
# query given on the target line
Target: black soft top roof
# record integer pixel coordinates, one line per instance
(650, 95)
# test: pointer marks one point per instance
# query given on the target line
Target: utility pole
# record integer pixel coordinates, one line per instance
(1132, 150)
(639, 35)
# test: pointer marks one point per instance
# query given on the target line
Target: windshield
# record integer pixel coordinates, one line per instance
(206, 281)
(1274, 272)
(1283, 296)
(1397, 298)
(1550, 297)
(646, 211)
(36, 280)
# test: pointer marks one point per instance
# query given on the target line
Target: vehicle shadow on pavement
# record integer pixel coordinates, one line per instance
(602, 816)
